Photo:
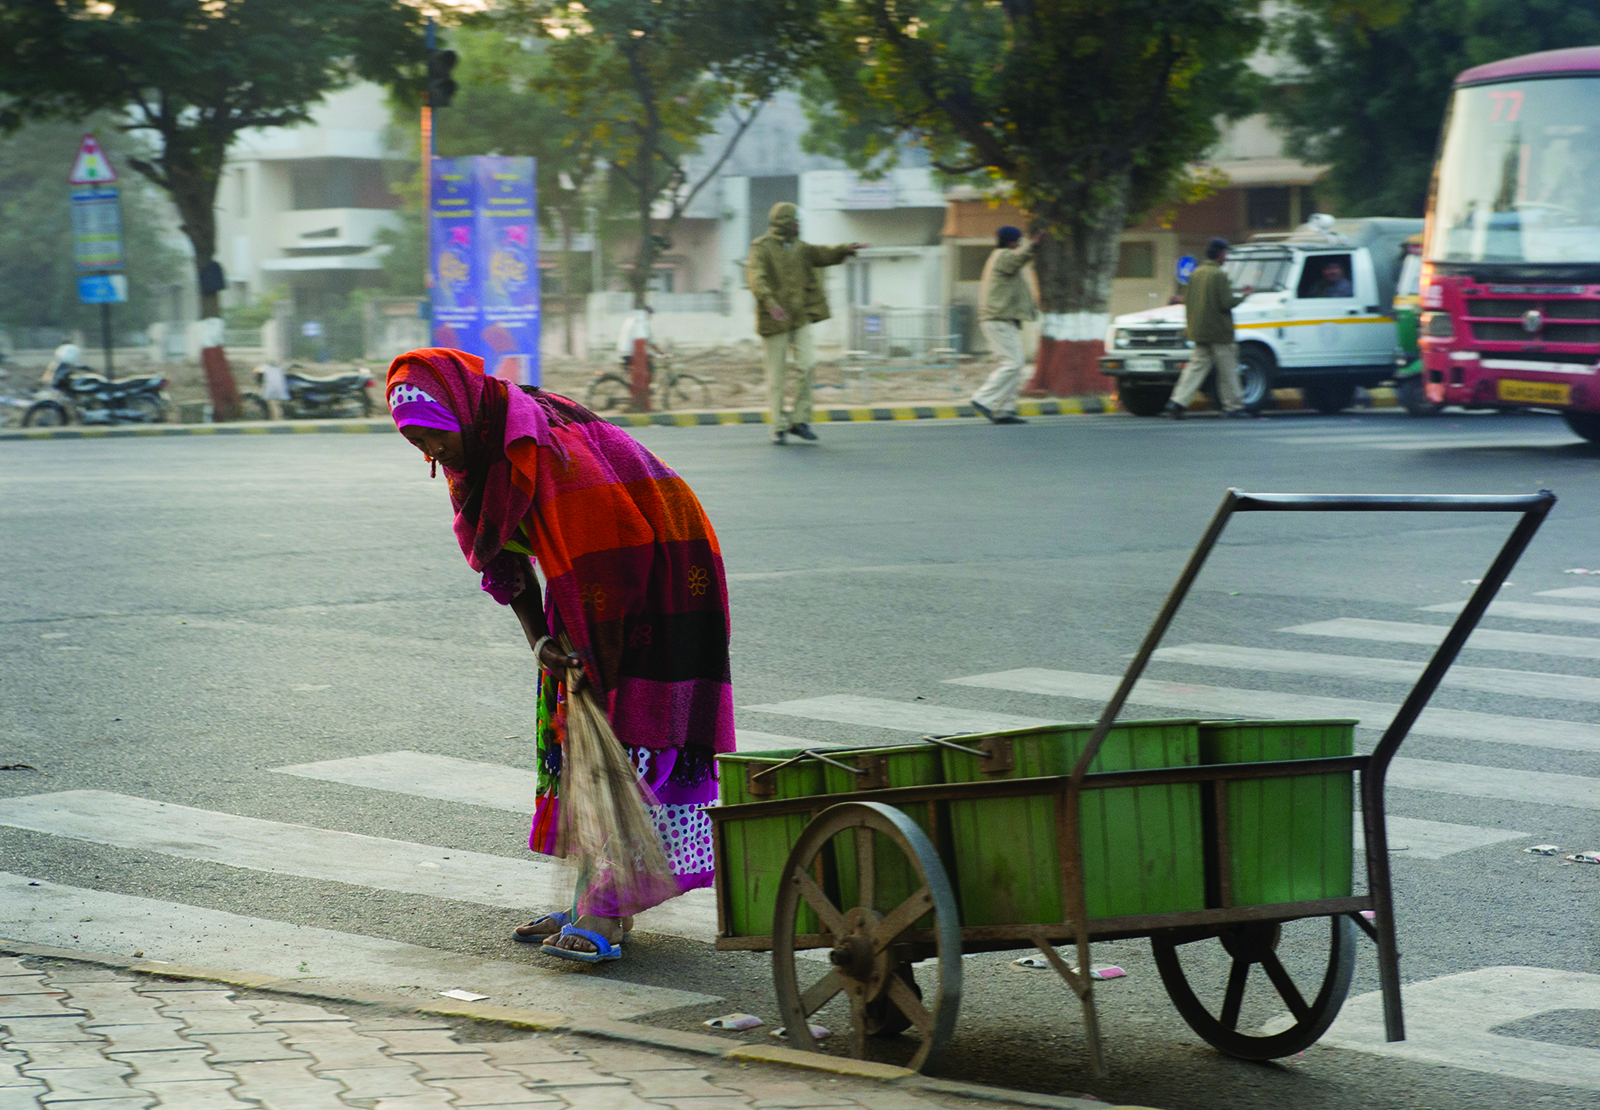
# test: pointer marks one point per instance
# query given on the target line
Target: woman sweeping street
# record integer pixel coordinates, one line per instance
(635, 586)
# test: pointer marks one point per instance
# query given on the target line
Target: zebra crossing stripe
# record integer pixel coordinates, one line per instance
(37, 911)
(1585, 593)
(1226, 701)
(848, 709)
(1482, 639)
(1526, 610)
(1410, 836)
(1506, 784)
(523, 884)
(1532, 684)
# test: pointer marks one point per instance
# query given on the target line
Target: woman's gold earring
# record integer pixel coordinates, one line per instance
(433, 469)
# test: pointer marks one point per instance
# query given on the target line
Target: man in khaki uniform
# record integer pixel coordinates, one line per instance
(1005, 304)
(782, 273)
(1208, 308)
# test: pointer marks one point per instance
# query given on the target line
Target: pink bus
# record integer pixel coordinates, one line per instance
(1510, 285)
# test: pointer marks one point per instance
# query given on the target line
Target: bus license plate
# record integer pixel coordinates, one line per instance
(1536, 393)
(1145, 366)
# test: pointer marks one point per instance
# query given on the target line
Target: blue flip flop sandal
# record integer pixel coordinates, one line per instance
(562, 919)
(606, 950)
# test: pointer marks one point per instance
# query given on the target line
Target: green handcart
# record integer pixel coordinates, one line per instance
(1188, 832)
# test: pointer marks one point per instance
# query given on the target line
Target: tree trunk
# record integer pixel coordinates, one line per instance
(1076, 263)
(192, 184)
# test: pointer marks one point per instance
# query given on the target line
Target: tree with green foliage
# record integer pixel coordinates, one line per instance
(1374, 77)
(38, 283)
(655, 76)
(194, 74)
(1087, 111)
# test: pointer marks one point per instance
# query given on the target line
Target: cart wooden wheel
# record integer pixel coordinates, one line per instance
(1249, 945)
(872, 953)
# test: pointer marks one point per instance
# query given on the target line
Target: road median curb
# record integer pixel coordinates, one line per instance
(550, 1022)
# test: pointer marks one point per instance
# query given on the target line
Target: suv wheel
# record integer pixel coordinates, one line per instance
(1141, 399)
(1329, 395)
(1586, 424)
(1255, 377)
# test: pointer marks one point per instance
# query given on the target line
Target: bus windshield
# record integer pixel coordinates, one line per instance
(1519, 174)
(1262, 269)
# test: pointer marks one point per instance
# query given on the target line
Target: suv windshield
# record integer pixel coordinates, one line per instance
(1519, 174)
(1263, 270)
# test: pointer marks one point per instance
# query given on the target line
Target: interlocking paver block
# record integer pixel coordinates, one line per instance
(633, 1059)
(375, 1025)
(168, 1067)
(195, 1094)
(247, 1048)
(433, 1100)
(22, 1098)
(673, 1084)
(286, 1085)
(84, 974)
(574, 1073)
(13, 965)
(46, 1029)
(70, 1084)
(736, 1102)
(769, 1093)
(165, 1037)
(454, 1065)
(279, 1009)
(422, 1040)
(341, 1050)
(35, 1005)
(27, 984)
(206, 1022)
(495, 1091)
(606, 1098)
(64, 1054)
(9, 1075)
(390, 1082)
(529, 1051)
(114, 1003)
(184, 996)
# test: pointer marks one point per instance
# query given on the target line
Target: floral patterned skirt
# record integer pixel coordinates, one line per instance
(677, 809)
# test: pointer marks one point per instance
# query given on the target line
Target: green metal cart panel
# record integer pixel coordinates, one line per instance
(1143, 849)
(906, 765)
(755, 849)
(1290, 839)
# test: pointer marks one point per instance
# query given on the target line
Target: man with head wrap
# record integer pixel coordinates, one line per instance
(1006, 304)
(782, 273)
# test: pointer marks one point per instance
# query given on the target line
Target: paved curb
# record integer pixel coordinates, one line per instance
(1382, 398)
(550, 1022)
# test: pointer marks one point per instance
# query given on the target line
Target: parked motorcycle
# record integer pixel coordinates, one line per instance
(305, 397)
(79, 395)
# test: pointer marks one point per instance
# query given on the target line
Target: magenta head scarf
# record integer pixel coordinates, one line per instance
(412, 408)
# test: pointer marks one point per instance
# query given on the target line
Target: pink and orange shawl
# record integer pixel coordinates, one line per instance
(633, 569)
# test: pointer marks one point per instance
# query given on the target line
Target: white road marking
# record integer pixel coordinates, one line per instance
(847, 709)
(341, 857)
(1526, 611)
(1410, 836)
(1482, 639)
(1449, 1022)
(101, 921)
(1226, 701)
(1506, 784)
(425, 775)
(1584, 593)
(1494, 680)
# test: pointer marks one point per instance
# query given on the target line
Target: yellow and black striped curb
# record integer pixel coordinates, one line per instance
(863, 414)
(543, 1021)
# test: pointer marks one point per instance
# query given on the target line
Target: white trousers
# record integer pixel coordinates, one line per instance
(1225, 357)
(775, 350)
(999, 393)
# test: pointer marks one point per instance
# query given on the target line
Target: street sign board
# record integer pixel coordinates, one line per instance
(1186, 267)
(91, 167)
(103, 289)
(97, 228)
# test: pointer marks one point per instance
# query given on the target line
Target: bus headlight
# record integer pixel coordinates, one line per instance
(1438, 325)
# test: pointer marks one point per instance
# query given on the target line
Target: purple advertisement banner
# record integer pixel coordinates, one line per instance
(484, 233)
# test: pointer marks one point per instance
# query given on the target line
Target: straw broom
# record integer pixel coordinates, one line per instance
(605, 823)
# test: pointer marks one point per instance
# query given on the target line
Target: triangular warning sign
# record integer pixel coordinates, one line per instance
(92, 167)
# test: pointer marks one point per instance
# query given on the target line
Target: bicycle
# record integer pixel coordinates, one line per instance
(673, 388)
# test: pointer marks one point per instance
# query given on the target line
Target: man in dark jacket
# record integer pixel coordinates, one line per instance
(782, 272)
(1208, 308)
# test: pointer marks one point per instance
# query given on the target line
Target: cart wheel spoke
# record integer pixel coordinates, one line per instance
(1286, 988)
(818, 900)
(901, 995)
(1235, 996)
(866, 868)
(858, 1025)
(901, 918)
(821, 991)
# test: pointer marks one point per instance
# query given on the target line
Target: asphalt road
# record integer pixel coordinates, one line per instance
(181, 617)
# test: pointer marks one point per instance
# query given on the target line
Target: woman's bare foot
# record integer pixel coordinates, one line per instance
(546, 925)
(612, 928)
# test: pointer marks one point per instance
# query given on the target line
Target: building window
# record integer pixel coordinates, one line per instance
(339, 183)
(858, 281)
(662, 280)
(970, 261)
(1136, 260)
(1267, 209)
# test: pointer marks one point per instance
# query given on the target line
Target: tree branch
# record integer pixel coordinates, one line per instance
(679, 208)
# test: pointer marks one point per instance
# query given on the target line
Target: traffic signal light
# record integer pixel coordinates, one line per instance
(441, 86)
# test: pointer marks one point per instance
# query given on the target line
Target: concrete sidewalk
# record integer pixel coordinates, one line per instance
(86, 1037)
